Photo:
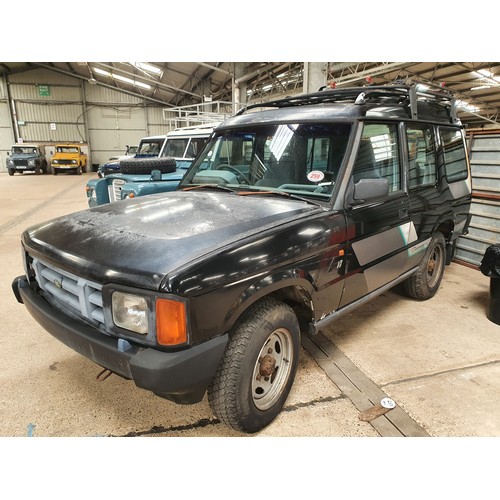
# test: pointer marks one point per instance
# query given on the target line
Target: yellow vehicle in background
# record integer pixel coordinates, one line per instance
(68, 157)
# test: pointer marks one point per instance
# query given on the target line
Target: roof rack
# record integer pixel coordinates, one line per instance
(407, 96)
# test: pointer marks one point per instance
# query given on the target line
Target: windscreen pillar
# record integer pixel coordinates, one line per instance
(314, 76)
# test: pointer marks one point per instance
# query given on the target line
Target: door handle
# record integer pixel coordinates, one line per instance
(403, 213)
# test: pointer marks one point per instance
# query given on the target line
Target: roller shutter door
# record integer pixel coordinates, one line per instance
(484, 229)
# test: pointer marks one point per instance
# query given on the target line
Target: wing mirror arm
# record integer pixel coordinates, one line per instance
(155, 176)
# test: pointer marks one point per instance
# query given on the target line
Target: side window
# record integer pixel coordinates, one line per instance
(421, 156)
(455, 163)
(378, 155)
(195, 146)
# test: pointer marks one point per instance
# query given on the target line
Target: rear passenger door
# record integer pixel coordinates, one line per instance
(380, 227)
(425, 196)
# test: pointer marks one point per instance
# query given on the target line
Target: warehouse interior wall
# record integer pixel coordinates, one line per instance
(45, 107)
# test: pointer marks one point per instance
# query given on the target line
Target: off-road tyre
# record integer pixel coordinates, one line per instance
(240, 395)
(426, 281)
(11, 171)
(139, 166)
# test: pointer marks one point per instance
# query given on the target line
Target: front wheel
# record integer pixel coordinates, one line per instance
(256, 374)
(425, 282)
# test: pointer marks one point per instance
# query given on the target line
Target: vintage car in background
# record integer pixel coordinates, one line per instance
(145, 174)
(68, 158)
(26, 158)
(130, 152)
(149, 147)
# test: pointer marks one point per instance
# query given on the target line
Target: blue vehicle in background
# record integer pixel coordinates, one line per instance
(148, 147)
(158, 166)
(113, 165)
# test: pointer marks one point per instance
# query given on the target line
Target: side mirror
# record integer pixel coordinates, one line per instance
(370, 189)
(155, 175)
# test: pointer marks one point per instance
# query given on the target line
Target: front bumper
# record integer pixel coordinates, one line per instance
(181, 376)
(64, 166)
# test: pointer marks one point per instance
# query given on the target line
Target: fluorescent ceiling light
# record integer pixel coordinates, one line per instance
(121, 78)
(142, 85)
(102, 72)
(484, 74)
(467, 106)
(147, 67)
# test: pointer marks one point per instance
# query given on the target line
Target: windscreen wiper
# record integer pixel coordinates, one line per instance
(281, 193)
(208, 186)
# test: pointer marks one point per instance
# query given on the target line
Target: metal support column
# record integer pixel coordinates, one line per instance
(239, 84)
(314, 76)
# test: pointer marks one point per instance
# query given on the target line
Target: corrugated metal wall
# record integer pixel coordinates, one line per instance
(484, 229)
(47, 107)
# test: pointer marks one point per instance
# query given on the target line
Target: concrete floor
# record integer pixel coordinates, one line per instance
(439, 360)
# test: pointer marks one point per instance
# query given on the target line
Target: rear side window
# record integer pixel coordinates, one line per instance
(421, 156)
(378, 155)
(455, 163)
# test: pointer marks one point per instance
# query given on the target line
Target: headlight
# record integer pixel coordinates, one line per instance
(55, 161)
(10, 163)
(31, 163)
(74, 161)
(130, 312)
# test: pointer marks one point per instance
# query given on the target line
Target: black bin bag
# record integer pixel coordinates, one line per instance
(490, 267)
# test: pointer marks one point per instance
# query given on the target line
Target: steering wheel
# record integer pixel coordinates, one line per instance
(240, 175)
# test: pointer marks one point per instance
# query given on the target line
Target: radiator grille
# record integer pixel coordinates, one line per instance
(70, 292)
(115, 190)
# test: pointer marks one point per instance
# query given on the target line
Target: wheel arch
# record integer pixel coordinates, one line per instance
(446, 226)
(289, 287)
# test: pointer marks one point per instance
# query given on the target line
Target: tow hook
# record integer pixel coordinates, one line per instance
(103, 375)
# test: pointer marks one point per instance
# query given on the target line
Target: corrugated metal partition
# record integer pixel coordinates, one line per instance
(484, 229)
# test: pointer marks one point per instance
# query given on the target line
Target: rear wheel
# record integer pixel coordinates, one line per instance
(425, 282)
(257, 372)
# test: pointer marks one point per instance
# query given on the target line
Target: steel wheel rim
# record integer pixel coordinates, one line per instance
(266, 391)
(434, 264)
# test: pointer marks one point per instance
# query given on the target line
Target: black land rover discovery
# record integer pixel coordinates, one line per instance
(290, 217)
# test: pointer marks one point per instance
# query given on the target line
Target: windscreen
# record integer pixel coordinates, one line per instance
(299, 159)
(151, 147)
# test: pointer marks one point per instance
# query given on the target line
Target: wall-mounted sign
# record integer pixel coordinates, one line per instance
(43, 90)
(53, 126)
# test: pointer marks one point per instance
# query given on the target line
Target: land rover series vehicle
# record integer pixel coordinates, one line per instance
(68, 158)
(290, 217)
(149, 147)
(27, 158)
(144, 174)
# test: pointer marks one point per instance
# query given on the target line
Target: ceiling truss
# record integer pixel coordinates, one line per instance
(186, 83)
